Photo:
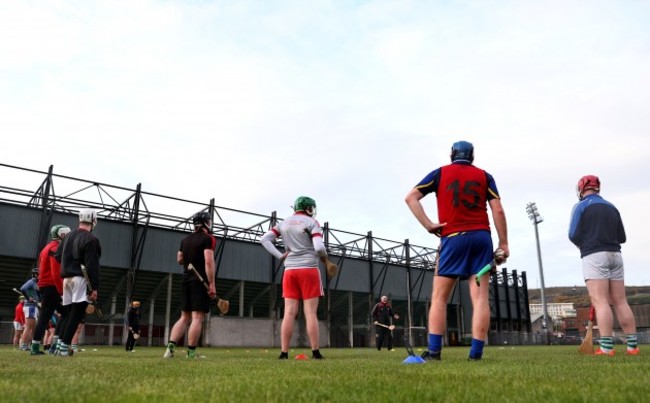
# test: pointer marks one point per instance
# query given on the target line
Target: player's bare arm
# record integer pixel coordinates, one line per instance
(210, 270)
(413, 201)
(179, 258)
(499, 218)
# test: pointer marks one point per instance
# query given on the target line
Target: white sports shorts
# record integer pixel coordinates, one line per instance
(31, 312)
(74, 290)
(603, 266)
(18, 326)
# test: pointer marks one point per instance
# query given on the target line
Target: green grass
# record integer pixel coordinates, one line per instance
(507, 374)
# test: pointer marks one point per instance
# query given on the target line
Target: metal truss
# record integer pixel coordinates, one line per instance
(137, 206)
(144, 210)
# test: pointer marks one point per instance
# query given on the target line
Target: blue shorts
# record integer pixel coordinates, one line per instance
(464, 254)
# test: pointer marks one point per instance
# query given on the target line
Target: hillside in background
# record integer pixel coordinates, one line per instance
(580, 297)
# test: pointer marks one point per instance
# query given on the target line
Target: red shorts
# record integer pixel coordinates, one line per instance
(302, 284)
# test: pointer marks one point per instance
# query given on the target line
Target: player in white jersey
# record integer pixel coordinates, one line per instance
(303, 240)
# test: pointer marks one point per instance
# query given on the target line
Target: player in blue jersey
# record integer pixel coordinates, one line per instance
(597, 229)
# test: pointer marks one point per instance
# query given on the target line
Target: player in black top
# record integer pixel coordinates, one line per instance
(133, 321)
(383, 316)
(79, 255)
(196, 249)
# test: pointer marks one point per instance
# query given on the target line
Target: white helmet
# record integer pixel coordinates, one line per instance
(88, 216)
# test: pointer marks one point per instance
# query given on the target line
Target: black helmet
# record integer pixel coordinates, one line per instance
(462, 150)
(202, 219)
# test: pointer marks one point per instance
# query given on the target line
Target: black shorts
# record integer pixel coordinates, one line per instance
(194, 297)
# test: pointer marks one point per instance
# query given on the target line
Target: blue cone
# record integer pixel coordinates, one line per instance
(412, 359)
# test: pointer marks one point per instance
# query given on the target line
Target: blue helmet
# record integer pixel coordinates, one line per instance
(462, 151)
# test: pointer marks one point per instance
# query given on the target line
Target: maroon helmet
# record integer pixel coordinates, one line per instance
(587, 182)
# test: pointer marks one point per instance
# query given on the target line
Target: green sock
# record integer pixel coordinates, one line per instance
(36, 345)
(191, 352)
(606, 343)
(171, 345)
(632, 342)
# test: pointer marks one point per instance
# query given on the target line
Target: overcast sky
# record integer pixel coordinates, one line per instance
(350, 102)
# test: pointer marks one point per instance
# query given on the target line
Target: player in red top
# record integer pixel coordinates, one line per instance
(50, 285)
(463, 192)
(19, 321)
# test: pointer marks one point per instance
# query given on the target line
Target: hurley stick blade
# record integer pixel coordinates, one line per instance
(587, 346)
(223, 306)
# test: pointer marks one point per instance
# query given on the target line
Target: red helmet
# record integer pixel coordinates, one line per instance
(587, 182)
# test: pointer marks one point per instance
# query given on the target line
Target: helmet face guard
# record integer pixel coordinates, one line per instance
(587, 182)
(88, 216)
(306, 204)
(202, 219)
(59, 231)
(462, 151)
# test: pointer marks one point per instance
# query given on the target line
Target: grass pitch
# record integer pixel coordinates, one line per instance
(506, 374)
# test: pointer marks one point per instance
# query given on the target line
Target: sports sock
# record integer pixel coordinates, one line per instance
(23, 346)
(606, 343)
(632, 342)
(36, 346)
(283, 356)
(191, 351)
(63, 349)
(435, 343)
(476, 351)
(316, 354)
(55, 345)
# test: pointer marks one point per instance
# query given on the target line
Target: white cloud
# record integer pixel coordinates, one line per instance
(254, 104)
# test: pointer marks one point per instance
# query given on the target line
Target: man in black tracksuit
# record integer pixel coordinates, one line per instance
(133, 321)
(383, 314)
(79, 251)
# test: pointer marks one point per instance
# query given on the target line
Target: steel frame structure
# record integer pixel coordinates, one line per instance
(144, 210)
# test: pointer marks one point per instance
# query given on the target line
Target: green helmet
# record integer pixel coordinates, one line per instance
(306, 204)
(59, 231)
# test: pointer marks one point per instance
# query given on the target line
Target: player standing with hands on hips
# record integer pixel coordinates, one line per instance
(79, 252)
(597, 229)
(196, 249)
(31, 308)
(463, 192)
(303, 239)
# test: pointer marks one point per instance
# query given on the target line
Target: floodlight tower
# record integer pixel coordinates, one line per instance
(533, 214)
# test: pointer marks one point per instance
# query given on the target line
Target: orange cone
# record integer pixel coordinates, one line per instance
(301, 357)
